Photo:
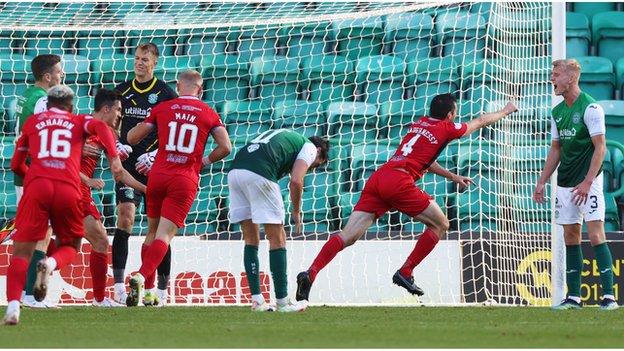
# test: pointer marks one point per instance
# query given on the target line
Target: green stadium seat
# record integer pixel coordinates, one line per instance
(255, 41)
(597, 77)
(608, 34)
(246, 118)
(169, 67)
(7, 149)
(461, 34)
(8, 40)
(319, 200)
(206, 42)
(274, 78)
(614, 119)
(578, 36)
(165, 39)
(359, 37)
(477, 208)
(353, 122)
(328, 78)
(477, 78)
(616, 149)
(116, 70)
(400, 114)
(225, 79)
(366, 158)
(15, 68)
(8, 98)
(619, 72)
(78, 76)
(433, 76)
(306, 118)
(47, 42)
(524, 122)
(380, 78)
(409, 34)
(589, 9)
(101, 44)
(304, 40)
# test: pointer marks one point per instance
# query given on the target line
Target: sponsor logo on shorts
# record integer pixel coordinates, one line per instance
(129, 193)
(253, 147)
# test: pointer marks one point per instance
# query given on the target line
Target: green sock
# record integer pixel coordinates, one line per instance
(605, 263)
(277, 260)
(574, 265)
(32, 271)
(252, 268)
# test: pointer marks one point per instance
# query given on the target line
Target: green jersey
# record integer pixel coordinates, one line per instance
(34, 100)
(273, 153)
(574, 126)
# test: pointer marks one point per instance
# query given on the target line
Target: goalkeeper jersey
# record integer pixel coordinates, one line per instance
(574, 126)
(272, 154)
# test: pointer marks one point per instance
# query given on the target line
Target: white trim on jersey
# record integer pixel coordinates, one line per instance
(553, 130)
(41, 105)
(594, 119)
(307, 153)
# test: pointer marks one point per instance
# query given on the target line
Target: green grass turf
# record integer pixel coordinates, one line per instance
(322, 327)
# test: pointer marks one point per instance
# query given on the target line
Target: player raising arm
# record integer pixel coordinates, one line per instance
(256, 199)
(392, 187)
(183, 126)
(54, 141)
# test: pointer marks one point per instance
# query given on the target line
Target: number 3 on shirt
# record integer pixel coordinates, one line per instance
(59, 143)
(185, 128)
(409, 146)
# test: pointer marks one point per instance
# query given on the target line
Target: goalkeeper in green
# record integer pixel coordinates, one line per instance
(577, 151)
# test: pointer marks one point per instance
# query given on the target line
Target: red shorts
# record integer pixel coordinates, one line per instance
(170, 197)
(388, 189)
(89, 208)
(49, 201)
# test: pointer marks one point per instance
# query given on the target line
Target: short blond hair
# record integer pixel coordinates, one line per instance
(569, 65)
(190, 77)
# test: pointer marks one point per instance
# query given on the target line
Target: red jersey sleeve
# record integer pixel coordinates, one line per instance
(455, 130)
(104, 133)
(215, 120)
(18, 161)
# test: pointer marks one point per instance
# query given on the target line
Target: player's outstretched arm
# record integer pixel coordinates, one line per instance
(437, 169)
(139, 132)
(552, 161)
(224, 146)
(130, 181)
(489, 118)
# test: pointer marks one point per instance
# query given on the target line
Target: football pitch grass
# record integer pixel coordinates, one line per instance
(318, 327)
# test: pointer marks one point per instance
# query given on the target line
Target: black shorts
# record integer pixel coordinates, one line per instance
(124, 193)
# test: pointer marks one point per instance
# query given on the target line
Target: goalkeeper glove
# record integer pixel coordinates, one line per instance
(123, 150)
(145, 162)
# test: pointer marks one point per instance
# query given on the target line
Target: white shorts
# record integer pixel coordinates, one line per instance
(19, 191)
(566, 212)
(254, 197)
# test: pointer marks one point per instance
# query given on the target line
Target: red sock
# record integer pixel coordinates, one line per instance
(331, 248)
(153, 256)
(424, 245)
(51, 247)
(16, 278)
(149, 281)
(63, 256)
(98, 264)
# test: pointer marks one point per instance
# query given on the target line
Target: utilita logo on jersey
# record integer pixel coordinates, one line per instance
(137, 112)
(567, 133)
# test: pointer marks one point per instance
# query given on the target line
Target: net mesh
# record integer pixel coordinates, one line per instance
(357, 73)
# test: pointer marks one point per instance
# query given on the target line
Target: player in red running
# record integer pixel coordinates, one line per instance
(183, 126)
(107, 109)
(392, 187)
(53, 139)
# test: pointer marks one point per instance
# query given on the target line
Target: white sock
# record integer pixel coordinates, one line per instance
(575, 298)
(607, 296)
(13, 305)
(162, 292)
(282, 301)
(51, 262)
(259, 299)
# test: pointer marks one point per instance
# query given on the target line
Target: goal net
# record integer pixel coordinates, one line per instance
(355, 72)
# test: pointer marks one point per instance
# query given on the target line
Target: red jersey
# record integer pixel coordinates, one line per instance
(54, 140)
(183, 126)
(88, 164)
(424, 141)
